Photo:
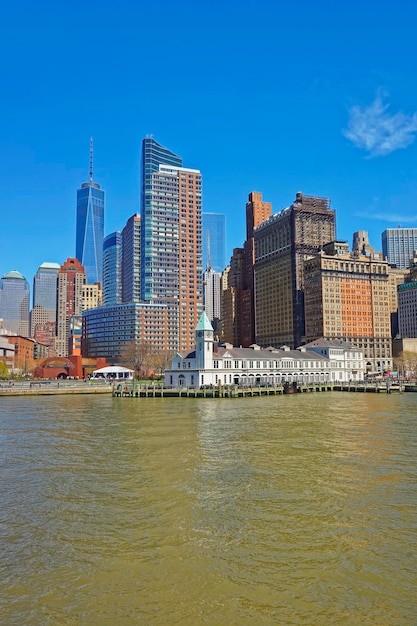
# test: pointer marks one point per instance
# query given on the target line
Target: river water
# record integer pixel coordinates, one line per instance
(289, 510)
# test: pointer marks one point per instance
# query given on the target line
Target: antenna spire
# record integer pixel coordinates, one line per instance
(91, 159)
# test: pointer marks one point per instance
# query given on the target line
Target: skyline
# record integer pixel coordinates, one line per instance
(318, 99)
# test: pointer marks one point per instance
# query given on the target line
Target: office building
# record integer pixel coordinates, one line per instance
(71, 280)
(45, 291)
(396, 277)
(407, 310)
(171, 254)
(14, 303)
(257, 212)
(112, 277)
(238, 310)
(346, 297)
(214, 240)
(232, 280)
(398, 246)
(212, 297)
(90, 227)
(282, 243)
(131, 260)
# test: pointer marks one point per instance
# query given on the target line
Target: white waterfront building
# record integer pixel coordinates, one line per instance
(213, 364)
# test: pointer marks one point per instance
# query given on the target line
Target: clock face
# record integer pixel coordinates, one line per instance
(200, 333)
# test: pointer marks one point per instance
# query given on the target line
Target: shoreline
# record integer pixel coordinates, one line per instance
(53, 388)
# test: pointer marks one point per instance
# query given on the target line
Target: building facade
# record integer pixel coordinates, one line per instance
(14, 303)
(214, 240)
(346, 298)
(407, 310)
(213, 364)
(212, 297)
(90, 227)
(171, 256)
(282, 243)
(232, 280)
(45, 292)
(107, 331)
(71, 280)
(395, 277)
(398, 246)
(112, 277)
(131, 260)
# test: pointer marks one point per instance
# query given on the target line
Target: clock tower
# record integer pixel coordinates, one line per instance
(204, 343)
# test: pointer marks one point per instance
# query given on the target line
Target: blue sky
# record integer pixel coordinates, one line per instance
(318, 97)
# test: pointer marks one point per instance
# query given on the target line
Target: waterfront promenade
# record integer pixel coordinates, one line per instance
(53, 387)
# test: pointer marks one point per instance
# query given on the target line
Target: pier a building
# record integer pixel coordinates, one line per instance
(210, 363)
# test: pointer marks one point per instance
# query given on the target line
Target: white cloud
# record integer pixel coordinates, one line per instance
(378, 132)
(387, 217)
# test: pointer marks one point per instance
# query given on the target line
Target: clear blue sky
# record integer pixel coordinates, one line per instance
(318, 97)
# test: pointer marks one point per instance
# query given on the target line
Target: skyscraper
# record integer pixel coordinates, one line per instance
(398, 246)
(212, 296)
(71, 278)
(90, 227)
(112, 257)
(131, 261)
(282, 243)
(153, 155)
(171, 255)
(14, 303)
(214, 241)
(45, 289)
(238, 298)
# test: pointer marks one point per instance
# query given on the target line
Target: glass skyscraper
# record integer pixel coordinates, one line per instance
(90, 227)
(14, 303)
(45, 289)
(112, 255)
(398, 245)
(214, 241)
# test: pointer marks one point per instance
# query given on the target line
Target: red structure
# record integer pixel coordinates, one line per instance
(68, 367)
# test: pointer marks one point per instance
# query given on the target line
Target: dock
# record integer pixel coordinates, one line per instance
(132, 389)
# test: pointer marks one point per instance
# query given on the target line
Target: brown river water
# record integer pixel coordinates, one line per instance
(292, 510)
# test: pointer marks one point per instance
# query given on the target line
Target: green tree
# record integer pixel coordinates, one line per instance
(4, 372)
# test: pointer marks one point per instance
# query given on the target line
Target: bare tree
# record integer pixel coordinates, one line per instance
(161, 361)
(136, 355)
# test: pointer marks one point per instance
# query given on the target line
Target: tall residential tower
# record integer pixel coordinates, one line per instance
(171, 254)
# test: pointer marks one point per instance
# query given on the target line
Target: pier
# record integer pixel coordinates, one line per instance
(132, 389)
(135, 390)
